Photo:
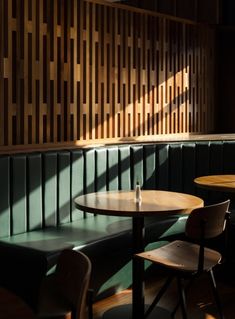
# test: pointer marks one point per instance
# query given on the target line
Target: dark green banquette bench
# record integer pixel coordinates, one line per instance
(38, 217)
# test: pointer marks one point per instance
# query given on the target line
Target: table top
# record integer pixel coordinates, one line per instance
(13, 307)
(122, 203)
(224, 183)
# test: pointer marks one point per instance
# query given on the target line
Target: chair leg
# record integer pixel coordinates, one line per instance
(159, 296)
(216, 295)
(178, 303)
(182, 297)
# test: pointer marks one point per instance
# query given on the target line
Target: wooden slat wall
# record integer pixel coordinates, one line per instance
(81, 70)
(209, 11)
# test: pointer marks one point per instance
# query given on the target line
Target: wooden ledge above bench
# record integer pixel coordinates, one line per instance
(154, 139)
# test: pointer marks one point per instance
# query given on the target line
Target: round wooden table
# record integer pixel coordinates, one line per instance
(222, 183)
(122, 203)
(13, 307)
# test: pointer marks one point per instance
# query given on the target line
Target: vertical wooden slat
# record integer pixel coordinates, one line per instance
(9, 81)
(115, 80)
(105, 73)
(121, 79)
(40, 83)
(86, 76)
(181, 82)
(130, 74)
(93, 71)
(75, 70)
(19, 44)
(62, 112)
(34, 75)
(80, 62)
(54, 64)
(67, 82)
(189, 71)
(24, 92)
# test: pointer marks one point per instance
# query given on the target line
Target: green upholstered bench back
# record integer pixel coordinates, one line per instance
(37, 192)
(37, 189)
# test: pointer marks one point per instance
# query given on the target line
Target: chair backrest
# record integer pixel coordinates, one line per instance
(73, 273)
(207, 222)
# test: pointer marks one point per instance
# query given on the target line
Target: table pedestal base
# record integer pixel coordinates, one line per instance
(125, 312)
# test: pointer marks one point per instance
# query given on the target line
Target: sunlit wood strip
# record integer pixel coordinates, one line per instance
(111, 73)
(100, 75)
(190, 93)
(182, 109)
(134, 70)
(86, 74)
(166, 101)
(106, 80)
(81, 83)
(162, 77)
(115, 79)
(52, 86)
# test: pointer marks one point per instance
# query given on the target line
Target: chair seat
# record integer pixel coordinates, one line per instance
(181, 256)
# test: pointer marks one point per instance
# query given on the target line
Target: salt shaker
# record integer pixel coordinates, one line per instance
(138, 193)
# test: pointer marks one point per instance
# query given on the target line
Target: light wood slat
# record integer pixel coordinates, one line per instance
(87, 71)
(106, 82)
(182, 90)
(112, 75)
(190, 92)
(93, 70)
(130, 73)
(115, 81)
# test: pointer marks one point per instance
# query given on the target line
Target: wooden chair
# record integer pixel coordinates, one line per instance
(185, 259)
(64, 293)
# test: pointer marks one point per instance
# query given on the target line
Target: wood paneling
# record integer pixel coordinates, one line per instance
(226, 80)
(84, 70)
(209, 11)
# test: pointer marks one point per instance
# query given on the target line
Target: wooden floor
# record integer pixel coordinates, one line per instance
(199, 299)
